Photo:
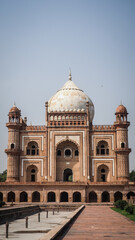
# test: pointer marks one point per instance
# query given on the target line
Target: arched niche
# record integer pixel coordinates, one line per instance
(31, 173)
(103, 173)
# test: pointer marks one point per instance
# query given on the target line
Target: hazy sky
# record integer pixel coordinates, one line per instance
(40, 40)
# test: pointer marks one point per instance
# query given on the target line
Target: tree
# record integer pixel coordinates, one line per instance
(3, 176)
(132, 176)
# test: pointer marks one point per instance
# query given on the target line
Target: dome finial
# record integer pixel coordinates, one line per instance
(70, 76)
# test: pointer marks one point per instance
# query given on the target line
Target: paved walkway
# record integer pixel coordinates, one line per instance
(100, 222)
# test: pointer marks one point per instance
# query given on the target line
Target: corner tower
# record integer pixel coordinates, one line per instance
(122, 150)
(13, 150)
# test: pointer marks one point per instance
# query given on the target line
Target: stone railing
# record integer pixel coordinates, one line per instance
(35, 128)
(102, 127)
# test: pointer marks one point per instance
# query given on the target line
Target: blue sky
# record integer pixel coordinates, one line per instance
(40, 41)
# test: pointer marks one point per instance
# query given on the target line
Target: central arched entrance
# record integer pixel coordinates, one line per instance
(67, 154)
(68, 175)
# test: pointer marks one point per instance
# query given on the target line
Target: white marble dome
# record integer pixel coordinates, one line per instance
(70, 98)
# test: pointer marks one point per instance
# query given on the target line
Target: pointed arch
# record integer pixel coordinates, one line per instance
(76, 197)
(35, 196)
(23, 197)
(103, 173)
(105, 196)
(63, 197)
(11, 197)
(51, 197)
(31, 173)
(118, 196)
(92, 197)
(129, 194)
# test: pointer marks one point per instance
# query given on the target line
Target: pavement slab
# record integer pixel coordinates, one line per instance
(100, 223)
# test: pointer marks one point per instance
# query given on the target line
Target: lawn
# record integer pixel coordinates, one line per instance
(126, 214)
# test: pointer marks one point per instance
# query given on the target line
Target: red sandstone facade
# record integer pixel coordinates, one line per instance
(68, 159)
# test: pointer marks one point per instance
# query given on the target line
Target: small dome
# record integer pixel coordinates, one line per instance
(121, 109)
(14, 109)
(70, 97)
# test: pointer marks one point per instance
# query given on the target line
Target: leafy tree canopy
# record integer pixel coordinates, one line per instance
(132, 176)
(3, 176)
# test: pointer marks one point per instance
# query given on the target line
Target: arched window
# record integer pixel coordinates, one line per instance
(102, 148)
(122, 145)
(17, 119)
(68, 153)
(58, 152)
(13, 118)
(12, 146)
(32, 149)
(76, 153)
(33, 175)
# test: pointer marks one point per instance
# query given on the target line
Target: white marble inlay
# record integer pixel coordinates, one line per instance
(103, 159)
(42, 137)
(30, 159)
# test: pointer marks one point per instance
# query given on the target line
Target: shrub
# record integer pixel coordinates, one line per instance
(120, 204)
(129, 209)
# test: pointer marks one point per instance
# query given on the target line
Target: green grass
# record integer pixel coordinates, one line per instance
(126, 214)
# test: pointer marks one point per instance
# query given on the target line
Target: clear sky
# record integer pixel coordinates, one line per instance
(41, 39)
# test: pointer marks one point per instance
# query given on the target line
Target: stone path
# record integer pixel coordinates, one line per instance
(100, 222)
